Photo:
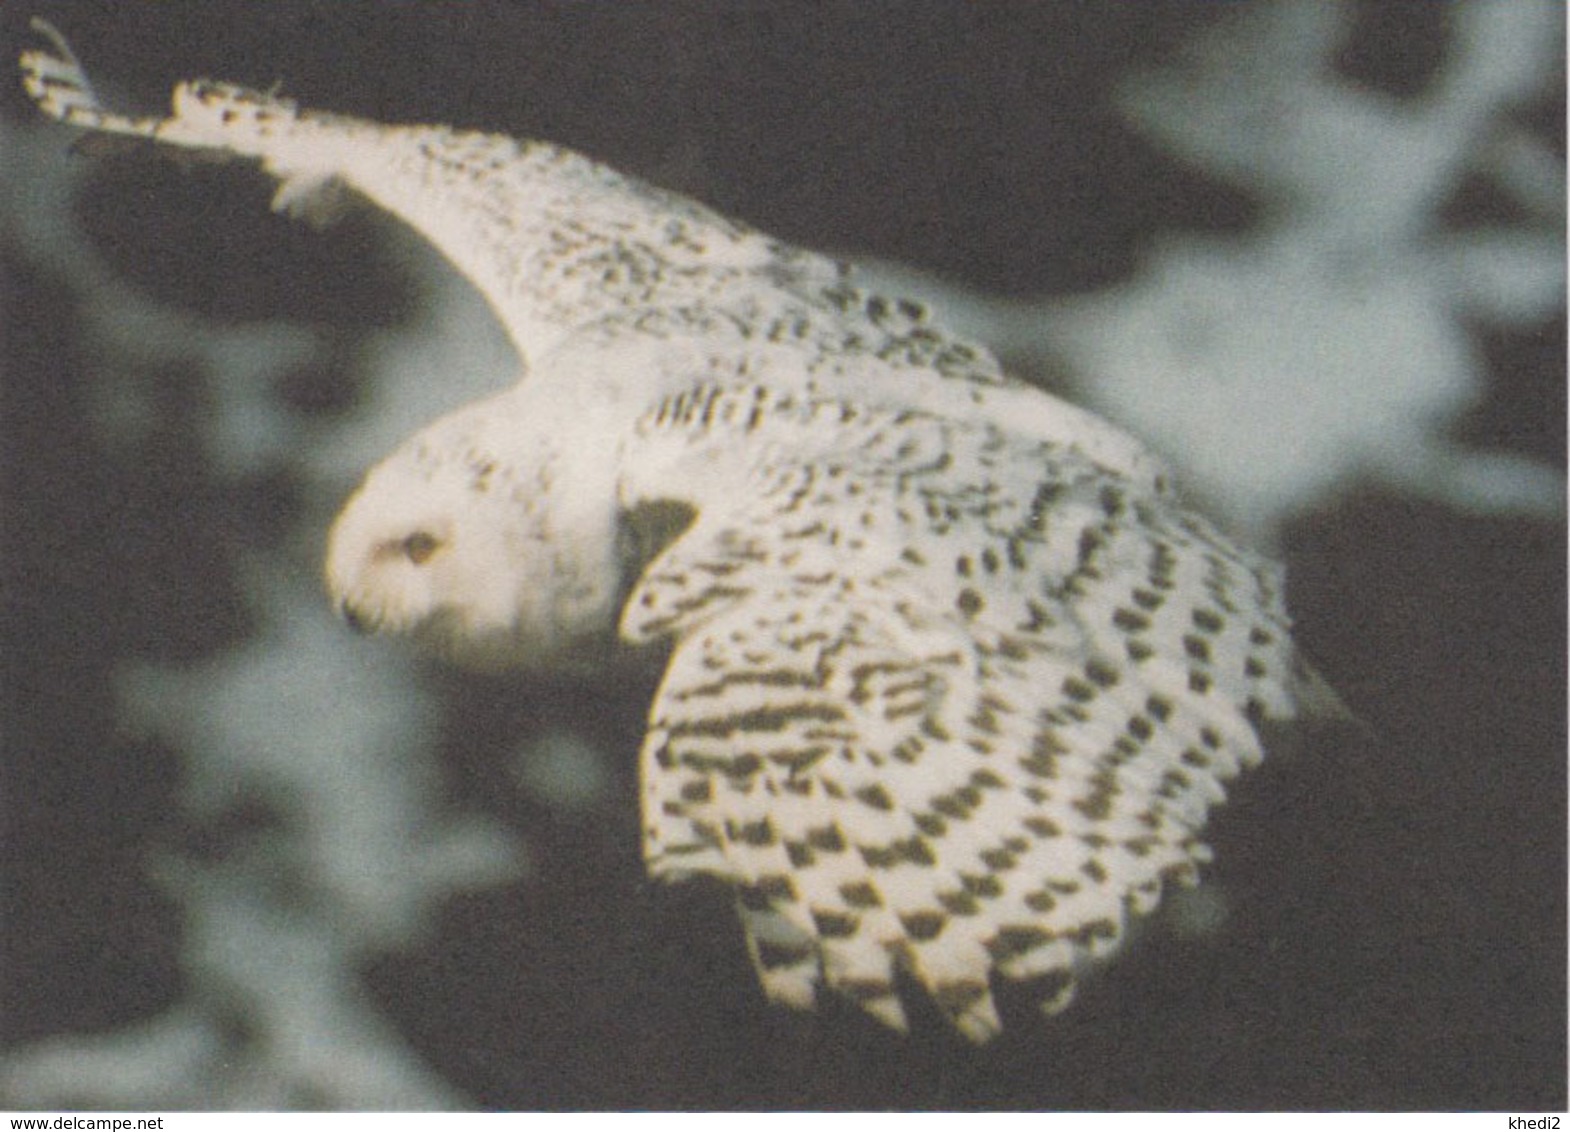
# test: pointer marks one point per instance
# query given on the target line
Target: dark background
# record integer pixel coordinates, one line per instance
(1396, 936)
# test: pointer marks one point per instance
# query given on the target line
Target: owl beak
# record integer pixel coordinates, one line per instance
(358, 620)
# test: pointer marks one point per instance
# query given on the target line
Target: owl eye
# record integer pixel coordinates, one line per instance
(420, 547)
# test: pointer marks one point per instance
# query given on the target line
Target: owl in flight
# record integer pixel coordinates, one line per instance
(953, 679)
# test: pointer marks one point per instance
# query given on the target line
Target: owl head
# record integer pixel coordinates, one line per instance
(470, 538)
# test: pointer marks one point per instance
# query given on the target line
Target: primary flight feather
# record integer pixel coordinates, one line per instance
(954, 679)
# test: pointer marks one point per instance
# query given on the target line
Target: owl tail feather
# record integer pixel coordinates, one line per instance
(1318, 704)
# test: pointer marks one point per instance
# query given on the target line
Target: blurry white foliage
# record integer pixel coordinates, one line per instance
(561, 768)
(1329, 345)
(332, 737)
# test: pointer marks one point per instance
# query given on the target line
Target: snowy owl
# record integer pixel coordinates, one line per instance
(953, 678)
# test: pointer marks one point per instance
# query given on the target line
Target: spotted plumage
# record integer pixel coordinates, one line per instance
(954, 679)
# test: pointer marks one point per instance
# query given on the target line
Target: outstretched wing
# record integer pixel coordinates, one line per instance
(563, 247)
(940, 701)
(553, 240)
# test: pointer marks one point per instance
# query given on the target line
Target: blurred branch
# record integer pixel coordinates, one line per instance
(1333, 343)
